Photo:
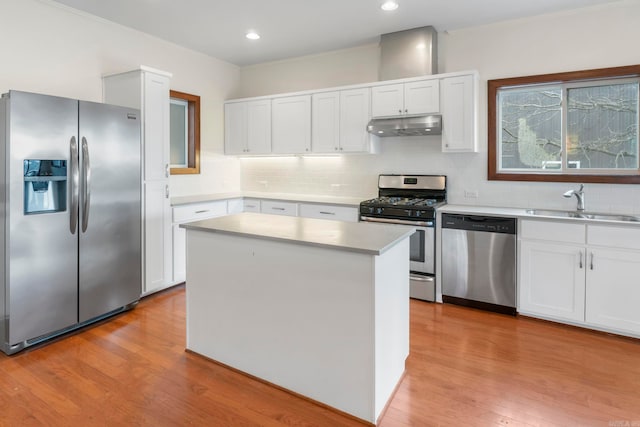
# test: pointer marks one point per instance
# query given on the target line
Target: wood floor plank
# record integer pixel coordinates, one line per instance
(466, 367)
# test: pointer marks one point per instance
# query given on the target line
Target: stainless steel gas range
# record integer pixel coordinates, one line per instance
(411, 200)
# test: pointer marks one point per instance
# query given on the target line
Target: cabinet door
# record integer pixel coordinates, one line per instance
(235, 128)
(552, 280)
(387, 100)
(613, 289)
(325, 123)
(156, 126)
(354, 117)
(259, 127)
(422, 97)
(458, 114)
(158, 247)
(291, 122)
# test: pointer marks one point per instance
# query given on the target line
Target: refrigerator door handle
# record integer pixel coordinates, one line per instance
(86, 185)
(73, 155)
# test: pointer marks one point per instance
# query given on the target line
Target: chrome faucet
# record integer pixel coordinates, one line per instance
(579, 195)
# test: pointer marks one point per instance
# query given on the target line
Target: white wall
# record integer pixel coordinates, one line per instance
(596, 37)
(51, 49)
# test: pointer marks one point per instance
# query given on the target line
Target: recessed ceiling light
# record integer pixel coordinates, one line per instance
(252, 35)
(388, 6)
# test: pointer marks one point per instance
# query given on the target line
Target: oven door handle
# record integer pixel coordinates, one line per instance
(421, 278)
(397, 221)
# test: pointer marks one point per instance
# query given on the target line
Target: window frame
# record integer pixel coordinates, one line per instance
(493, 86)
(193, 133)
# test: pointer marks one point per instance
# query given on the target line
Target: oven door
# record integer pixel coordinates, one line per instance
(422, 253)
(422, 243)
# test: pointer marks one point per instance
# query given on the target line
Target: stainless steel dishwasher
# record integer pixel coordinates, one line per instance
(479, 262)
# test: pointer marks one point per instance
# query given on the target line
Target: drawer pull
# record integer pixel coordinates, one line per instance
(327, 213)
(202, 211)
(277, 209)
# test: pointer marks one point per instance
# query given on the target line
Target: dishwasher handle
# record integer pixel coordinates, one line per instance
(489, 224)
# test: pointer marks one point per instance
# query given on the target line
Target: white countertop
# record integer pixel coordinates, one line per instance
(290, 197)
(526, 213)
(373, 239)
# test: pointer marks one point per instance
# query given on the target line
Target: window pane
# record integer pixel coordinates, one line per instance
(178, 133)
(530, 122)
(602, 126)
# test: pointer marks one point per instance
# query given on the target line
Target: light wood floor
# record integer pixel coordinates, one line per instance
(466, 368)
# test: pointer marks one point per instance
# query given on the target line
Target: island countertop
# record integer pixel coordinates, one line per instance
(372, 239)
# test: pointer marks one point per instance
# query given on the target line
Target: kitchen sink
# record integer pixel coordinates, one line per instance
(583, 215)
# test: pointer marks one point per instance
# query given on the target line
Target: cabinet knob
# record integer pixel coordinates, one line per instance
(340, 148)
(406, 111)
(400, 111)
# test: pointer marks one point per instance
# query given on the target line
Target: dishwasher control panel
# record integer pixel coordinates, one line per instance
(479, 223)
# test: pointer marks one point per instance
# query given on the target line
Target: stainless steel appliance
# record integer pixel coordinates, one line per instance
(411, 200)
(430, 124)
(70, 194)
(479, 262)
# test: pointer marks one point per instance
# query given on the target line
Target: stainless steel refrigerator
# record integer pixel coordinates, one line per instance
(70, 200)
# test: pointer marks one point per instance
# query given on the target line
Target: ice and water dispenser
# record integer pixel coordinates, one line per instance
(45, 186)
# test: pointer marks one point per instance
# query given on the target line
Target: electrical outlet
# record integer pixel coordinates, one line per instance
(471, 194)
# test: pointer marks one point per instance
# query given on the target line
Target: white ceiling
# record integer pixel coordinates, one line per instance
(292, 28)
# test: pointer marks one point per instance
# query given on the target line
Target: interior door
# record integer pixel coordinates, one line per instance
(110, 273)
(42, 250)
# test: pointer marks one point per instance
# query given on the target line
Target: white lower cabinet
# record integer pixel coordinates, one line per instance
(251, 205)
(337, 213)
(188, 213)
(279, 208)
(581, 274)
(552, 280)
(613, 290)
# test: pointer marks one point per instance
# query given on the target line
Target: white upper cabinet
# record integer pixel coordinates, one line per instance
(335, 121)
(459, 99)
(248, 127)
(340, 121)
(355, 113)
(325, 122)
(291, 125)
(419, 97)
(235, 128)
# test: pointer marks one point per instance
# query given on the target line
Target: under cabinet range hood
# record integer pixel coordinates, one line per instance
(406, 126)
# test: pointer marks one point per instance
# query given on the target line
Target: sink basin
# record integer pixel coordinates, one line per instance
(584, 215)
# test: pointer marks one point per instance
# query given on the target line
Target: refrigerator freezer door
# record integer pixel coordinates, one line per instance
(42, 252)
(110, 247)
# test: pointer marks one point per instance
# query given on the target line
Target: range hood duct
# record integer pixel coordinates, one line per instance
(409, 53)
(406, 126)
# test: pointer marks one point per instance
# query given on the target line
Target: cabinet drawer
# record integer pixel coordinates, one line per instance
(617, 237)
(553, 231)
(279, 208)
(197, 211)
(338, 213)
(251, 205)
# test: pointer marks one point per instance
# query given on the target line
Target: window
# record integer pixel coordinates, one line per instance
(568, 127)
(184, 133)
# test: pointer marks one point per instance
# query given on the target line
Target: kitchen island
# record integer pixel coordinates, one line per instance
(318, 307)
